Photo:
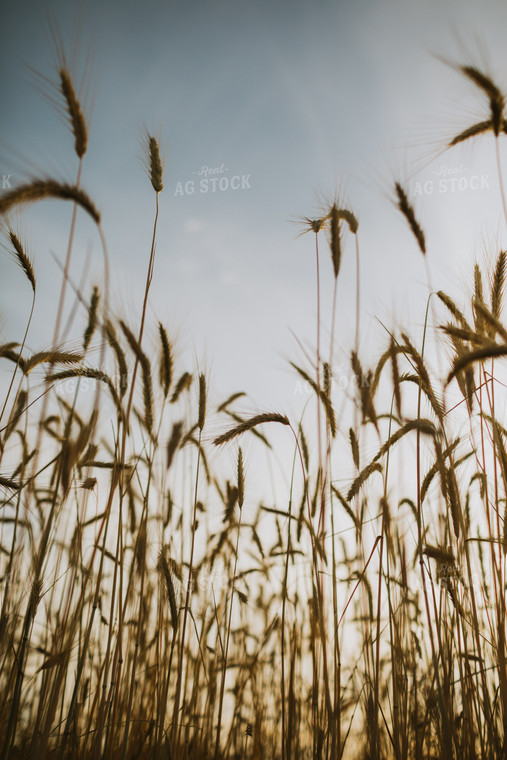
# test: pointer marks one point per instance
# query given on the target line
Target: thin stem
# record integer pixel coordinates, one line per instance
(176, 722)
(226, 649)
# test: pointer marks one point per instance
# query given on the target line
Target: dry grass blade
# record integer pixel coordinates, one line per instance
(41, 189)
(249, 424)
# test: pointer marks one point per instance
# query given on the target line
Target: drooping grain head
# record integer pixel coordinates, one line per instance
(249, 424)
(40, 189)
(350, 218)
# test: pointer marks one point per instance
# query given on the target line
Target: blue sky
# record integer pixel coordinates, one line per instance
(299, 101)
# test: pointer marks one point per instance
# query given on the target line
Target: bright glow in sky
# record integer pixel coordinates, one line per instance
(295, 101)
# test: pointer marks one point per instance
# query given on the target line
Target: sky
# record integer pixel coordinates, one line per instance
(280, 107)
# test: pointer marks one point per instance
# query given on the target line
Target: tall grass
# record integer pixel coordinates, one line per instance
(148, 612)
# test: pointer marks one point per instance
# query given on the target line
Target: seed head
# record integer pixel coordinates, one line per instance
(156, 167)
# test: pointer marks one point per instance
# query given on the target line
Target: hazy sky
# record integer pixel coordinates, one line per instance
(290, 102)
